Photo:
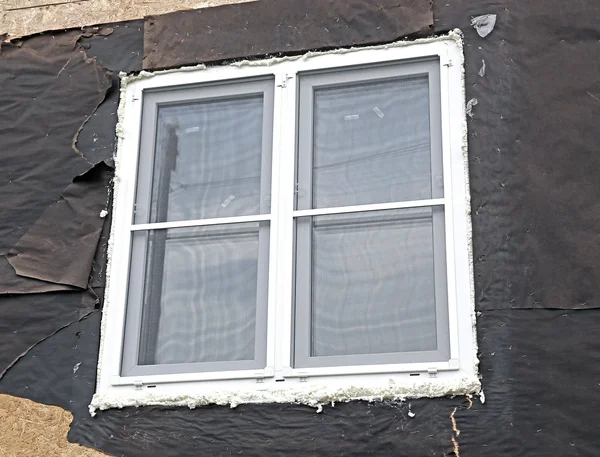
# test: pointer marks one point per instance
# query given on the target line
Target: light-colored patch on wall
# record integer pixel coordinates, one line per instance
(25, 17)
(30, 429)
(11, 5)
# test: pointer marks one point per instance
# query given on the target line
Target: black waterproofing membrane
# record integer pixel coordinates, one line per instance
(534, 169)
(40, 160)
(274, 27)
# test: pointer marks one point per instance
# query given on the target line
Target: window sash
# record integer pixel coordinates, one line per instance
(303, 233)
(139, 260)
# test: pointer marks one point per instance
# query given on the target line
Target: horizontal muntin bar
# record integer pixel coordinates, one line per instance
(201, 222)
(371, 207)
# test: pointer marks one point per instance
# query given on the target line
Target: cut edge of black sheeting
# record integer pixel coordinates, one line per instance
(60, 369)
(61, 245)
(30, 348)
(30, 322)
(278, 27)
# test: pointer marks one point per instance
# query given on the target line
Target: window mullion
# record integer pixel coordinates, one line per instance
(272, 295)
(282, 255)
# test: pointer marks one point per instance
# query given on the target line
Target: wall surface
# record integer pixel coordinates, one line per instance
(534, 166)
(26, 17)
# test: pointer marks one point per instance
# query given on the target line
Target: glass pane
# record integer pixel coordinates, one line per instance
(372, 282)
(371, 143)
(200, 292)
(207, 162)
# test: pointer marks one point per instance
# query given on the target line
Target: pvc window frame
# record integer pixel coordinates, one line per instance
(461, 362)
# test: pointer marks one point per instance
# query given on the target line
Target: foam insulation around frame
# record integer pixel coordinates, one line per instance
(314, 394)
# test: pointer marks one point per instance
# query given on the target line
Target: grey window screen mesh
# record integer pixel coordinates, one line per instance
(208, 296)
(371, 143)
(207, 161)
(373, 285)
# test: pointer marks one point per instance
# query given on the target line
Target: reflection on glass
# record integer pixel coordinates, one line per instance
(200, 293)
(371, 143)
(373, 282)
(207, 161)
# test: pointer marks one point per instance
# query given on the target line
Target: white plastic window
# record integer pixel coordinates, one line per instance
(292, 223)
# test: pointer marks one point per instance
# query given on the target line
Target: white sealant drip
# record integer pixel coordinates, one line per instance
(314, 395)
